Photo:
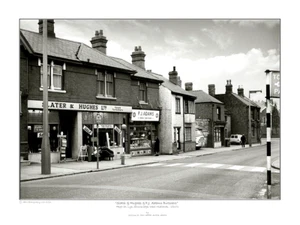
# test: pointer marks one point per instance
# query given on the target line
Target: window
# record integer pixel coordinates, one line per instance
(189, 107)
(55, 73)
(188, 133)
(143, 92)
(105, 84)
(178, 111)
(218, 113)
(217, 134)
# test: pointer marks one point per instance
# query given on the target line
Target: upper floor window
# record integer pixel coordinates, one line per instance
(189, 107)
(219, 113)
(143, 92)
(55, 76)
(105, 84)
(178, 106)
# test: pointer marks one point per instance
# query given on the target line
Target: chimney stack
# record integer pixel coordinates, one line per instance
(138, 57)
(50, 28)
(173, 76)
(240, 91)
(189, 86)
(228, 87)
(211, 90)
(99, 41)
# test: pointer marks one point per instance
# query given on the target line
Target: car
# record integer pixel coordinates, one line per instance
(200, 140)
(235, 139)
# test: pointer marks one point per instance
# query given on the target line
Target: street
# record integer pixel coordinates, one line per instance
(227, 175)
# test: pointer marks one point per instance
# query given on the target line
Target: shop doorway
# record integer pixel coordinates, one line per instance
(67, 122)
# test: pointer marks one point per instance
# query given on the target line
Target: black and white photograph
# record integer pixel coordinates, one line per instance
(151, 118)
(155, 109)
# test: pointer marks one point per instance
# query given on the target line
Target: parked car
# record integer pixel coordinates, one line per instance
(199, 139)
(235, 139)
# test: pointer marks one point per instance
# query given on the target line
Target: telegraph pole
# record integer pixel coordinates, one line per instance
(46, 160)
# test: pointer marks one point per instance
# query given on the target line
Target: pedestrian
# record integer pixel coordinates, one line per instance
(156, 146)
(243, 139)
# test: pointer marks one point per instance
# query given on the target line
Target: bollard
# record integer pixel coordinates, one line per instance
(123, 159)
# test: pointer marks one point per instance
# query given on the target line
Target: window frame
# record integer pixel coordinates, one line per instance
(51, 75)
(106, 87)
(143, 97)
(177, 105)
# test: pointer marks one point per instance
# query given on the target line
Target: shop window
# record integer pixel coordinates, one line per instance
(55, 76)
(105, 84)
(143, 92)
(178, 111)
(140, 137)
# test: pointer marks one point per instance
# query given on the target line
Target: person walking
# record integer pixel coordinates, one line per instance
(156, 146)
(243, 139)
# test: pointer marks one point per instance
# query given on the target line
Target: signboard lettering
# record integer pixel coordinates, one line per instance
(145, 115)
(86, 129)
(275, 84)
(36, 104)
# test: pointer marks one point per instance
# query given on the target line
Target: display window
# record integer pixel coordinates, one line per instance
(140, 137)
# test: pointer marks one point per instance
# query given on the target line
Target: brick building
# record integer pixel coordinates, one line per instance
(177, 127)
(237, 106)
(145, 116)
(82, 82)
(210, 116)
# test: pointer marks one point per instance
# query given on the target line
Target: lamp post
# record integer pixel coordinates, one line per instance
(249, 114)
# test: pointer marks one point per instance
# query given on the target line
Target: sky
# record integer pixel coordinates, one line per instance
(204, 51)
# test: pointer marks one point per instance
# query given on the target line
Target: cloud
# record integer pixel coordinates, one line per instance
(270, 23)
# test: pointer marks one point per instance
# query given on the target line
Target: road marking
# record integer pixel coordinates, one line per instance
(175, 164)
(194, 164)
(258, 169)
(155, 164)
(235, 167)
(215, 165)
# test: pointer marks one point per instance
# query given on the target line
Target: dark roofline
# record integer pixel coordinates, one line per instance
(25, 43)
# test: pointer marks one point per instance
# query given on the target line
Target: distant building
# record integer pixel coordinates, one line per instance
(177, 127)
(210, 116)
(275, 122)
(237, 106)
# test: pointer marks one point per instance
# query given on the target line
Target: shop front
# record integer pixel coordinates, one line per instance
(77, 124)
(143, 129)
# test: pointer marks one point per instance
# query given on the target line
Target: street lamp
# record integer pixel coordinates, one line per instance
(124, 127)
(249, 114)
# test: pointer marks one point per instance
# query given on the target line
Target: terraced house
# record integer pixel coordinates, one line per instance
(83, 82)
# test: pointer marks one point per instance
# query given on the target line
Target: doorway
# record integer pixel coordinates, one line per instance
(67, 123)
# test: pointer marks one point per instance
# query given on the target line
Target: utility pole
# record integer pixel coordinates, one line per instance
(46, 158)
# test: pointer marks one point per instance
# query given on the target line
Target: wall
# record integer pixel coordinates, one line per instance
(165, 129)
(76, 90)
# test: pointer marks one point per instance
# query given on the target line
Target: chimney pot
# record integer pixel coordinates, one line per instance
(50, 27)
(228, 87)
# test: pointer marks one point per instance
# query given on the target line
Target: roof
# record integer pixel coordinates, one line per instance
(244, 100)
(141, 73)
(70, 50)
(173, 87)
(204, 97)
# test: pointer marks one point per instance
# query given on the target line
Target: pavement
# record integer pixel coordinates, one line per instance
(32, 171)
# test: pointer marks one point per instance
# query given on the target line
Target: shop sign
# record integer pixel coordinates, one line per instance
(118, 129)
(144, 115)
(38, 128)
(86, 129)
(35, 104)
(40, 135)
(104, 126)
